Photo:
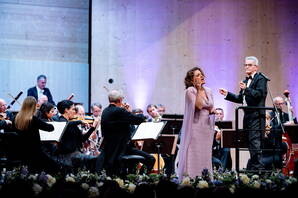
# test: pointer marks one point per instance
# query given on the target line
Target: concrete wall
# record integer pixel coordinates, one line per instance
(44, 37)
(147, 47)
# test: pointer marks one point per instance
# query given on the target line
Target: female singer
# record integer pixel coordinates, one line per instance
(195, 151)
(27, 126)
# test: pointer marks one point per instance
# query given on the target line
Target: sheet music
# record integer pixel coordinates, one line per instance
(53, 135)
(148, 130)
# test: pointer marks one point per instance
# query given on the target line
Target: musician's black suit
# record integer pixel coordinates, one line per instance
(33, 92)
(70, 145)
(116, 129)
(255, 96)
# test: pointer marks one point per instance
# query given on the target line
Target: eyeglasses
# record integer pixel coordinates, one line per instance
(281, 103)
(248, 65)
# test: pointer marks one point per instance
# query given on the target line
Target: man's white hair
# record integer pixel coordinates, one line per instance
(253, 58)
(277, 98)
(115, 96)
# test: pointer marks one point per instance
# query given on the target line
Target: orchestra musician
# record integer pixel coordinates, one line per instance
(27, 126)
(96, 110)
(46, 112)
(40, 89)
(4, 113)
(90, 147)
(273, 144)
(6, 117)
(70, 146)
(221, 157)
(116, 124)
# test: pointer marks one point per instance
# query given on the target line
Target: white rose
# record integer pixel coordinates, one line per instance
(186, 181)
(232, 189)
(255, 177)
(120, 182)
(99, 184)
(36, 188)
(256, 184)
(131, 187)
(51, 180)
(202, 184)
(244, 178)
(85, 186)
(93, 192)
(70, 179)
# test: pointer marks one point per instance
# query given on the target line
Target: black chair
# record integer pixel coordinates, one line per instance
(9, 151)
(129, 163)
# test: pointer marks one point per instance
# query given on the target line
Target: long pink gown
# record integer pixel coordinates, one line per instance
(195, 150)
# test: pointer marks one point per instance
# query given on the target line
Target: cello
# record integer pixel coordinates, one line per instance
(292, 152)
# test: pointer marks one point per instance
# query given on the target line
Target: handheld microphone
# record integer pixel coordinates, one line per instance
(264, 76)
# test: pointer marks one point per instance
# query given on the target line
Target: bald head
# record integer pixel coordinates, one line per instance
(3, 106)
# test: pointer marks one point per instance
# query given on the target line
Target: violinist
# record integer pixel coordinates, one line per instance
(4, 113)
(27, 126)
(70, 146)
(90, 145)
(46, 112)
(96, 110)
(116, 126)
(5, 116)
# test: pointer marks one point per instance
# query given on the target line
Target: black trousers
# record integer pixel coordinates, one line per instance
(149, 159)
(254, 123)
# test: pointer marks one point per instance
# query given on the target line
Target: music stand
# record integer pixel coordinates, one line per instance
(164, 144)
(173, 125)
(172, 116)
(292, 131)
(148, 130)
(56, 135)
(229, 139)
(224, 124)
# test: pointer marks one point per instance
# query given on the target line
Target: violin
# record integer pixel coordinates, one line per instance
(85, 119)
(3, 116)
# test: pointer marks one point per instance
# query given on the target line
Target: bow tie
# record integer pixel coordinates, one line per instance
(248, 77)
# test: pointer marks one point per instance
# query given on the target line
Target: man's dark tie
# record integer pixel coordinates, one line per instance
(248, 77)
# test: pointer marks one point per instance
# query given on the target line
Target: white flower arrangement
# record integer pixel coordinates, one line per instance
(203, 184)
(92, 183)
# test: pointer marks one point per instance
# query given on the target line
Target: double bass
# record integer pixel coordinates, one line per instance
(292, 152)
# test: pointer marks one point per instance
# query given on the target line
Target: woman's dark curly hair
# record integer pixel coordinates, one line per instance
(44, 109)
(189, 77)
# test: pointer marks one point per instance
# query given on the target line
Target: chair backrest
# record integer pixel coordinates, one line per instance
(9, 145)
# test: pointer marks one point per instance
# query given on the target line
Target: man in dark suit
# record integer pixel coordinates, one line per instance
(273, 140)
(116, 124)
(40, 89)
(252, 94)
(279, 102)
